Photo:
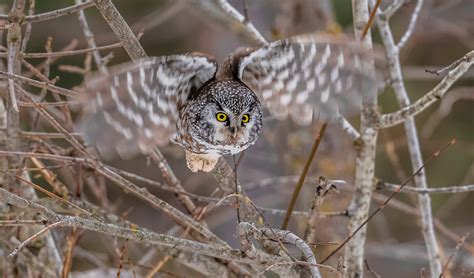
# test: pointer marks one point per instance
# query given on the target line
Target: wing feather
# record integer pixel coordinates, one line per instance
(309, 77)
(135, 107)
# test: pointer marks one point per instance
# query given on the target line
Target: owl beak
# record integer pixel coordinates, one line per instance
(233, 130)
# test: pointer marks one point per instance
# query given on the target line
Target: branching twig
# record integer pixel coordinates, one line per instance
(33, 237)
(59, 12)
(279, 235)
(382, 206)
(248, 25)
(392, 52)
(411, 25)
(39, 84)
(90, 39)
(400, 116)
(130, 233)
(324, 187)
(121, 29)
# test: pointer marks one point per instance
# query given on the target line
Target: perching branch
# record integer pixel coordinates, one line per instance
(130, 232)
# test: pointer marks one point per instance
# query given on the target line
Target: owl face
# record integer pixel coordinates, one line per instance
(230, 118)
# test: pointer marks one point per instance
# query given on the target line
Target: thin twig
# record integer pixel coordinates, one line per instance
(382, 206)
(59, 12)
(39, 84)
(371, 271)
(90, 39)
(371, 19)
(458, 246)
(69, 52)
(33, 237)
(50, 194)
(121, 29)
(400, 116)
(438, 190)
(411, 25)
(324, 187)
(130, 233)
(303, 175)
(449, 67)
(247, 25)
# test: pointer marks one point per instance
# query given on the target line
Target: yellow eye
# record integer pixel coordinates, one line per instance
(221, 117)
(245, 118)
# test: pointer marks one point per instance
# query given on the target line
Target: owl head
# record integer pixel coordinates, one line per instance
(229, 116)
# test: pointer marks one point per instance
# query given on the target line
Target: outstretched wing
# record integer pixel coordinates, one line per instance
(309, 76)
(135, 107)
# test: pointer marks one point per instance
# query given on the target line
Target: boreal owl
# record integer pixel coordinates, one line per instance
(211, 111)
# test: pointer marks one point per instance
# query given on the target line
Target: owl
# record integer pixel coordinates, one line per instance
(212, 111)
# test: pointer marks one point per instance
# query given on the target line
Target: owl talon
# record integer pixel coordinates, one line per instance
(201, 162)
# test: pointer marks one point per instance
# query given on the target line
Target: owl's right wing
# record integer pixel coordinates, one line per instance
(134, 108)
(309, 77)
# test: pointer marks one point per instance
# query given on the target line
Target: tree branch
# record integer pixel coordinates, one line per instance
(123, 32)
(392, 54)
(400, 116)
(58, 13)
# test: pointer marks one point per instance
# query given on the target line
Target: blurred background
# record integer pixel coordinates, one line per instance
(444, 33)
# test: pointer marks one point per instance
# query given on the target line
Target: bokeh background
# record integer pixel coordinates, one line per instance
(395, 247)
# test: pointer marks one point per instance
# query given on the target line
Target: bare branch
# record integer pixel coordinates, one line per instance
(284, 236)
(411, 25)
(130, 233)
(324, 187)
(246, 24)
(39, 84)
(387, 201)
(90, 39)
(393, 8)
(458, 246)
(365, 157)
(346, 126)
(33, 237)
(121, 29)
(173, 181)
(392, 54)
(59, 12)
(304, 173)
(391, 119)
(13, 41)
(440, 190)
(142, 193)
(68, 53)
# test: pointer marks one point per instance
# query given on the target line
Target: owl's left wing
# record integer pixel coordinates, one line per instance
(134, 107)
(308, 77)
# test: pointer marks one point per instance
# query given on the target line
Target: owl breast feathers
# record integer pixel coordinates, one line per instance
(212, 111)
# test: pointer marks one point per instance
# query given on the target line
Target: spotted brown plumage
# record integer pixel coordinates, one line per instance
(139, 106)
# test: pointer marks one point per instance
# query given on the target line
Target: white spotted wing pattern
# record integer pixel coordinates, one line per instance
(135, 107)
(309, 77)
